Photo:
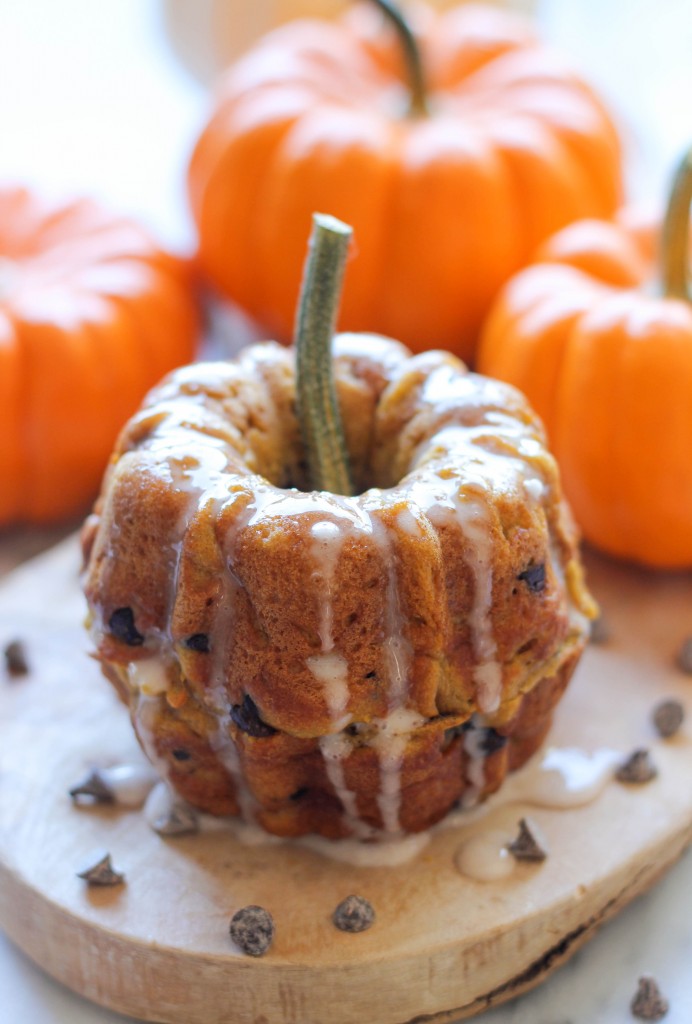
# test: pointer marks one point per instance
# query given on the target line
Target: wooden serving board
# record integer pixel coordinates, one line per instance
(443, 946)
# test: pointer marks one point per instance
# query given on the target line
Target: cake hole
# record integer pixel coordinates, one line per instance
(299, 793)
(528, 646)
(181, 755)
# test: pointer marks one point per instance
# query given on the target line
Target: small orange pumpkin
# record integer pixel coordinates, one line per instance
(606, 361)
(450, 183)
(92, 314)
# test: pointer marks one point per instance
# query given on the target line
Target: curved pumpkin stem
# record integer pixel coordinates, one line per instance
(676, 233)
(318, 412)
(418, 104)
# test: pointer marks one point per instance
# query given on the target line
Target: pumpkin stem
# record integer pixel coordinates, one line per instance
(418, 104)
(318, 412)
(676, 233)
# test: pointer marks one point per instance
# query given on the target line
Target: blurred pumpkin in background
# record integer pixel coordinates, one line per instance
(209, 34)
(453, 152)
(602, 346)
(92, 314)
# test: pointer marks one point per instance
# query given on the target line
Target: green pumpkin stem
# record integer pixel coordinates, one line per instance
(318, 411)
(676, 234)
(418, 104)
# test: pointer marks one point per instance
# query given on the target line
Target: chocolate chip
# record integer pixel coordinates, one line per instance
(181, 755)
(15, 659)
(122, 626)
(198, 642)
(102, 873)
(637, 769)
(299, 793)
(252, 930)
(684, 658)
(528, 845)
(534, 578)
(491, 741)
(92, 789)
(667, 717)
(600, 631)
(354, 914)
(246, 717)
(648, 1003)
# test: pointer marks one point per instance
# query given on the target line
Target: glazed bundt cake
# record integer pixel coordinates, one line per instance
(349, 666)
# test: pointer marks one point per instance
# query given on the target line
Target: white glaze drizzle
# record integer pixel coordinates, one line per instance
(485, 857)
(496, 455)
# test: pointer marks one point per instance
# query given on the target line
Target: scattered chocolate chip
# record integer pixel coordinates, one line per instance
(684, 658)
(198, 642)
(181, 755)
(600, 630)
(15, 659)
(246, 717)
(648, 1003)
(122, 626)
(102, 873)
(534, 578)
(92, 789)
(354, 914)
(252, 930)
(529, 844)
(638, 768)
(667, 717)
(180, 820)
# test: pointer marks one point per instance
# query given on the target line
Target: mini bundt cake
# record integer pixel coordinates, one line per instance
(350, 666)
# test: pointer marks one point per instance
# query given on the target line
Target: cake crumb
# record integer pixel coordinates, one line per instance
(252, 930)
(16, 661)
(528, 845)
(638, 768)
(667, 717)
(648, 1003)
(684, 659)
(354, 914)
(102, 873)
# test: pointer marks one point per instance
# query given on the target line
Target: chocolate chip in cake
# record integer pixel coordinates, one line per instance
(684, 658)
(534, 578)
(648, 1003)
(529, 845)
(252, 930)
(246, 717)
(354, 914)
(491, 741)
(181, 755)
(102, 873)
(198, 642)
(667, 717)
(637, 769)
(15, 659)
(122, 626)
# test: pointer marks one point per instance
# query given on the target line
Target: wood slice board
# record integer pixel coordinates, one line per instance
(443, 947)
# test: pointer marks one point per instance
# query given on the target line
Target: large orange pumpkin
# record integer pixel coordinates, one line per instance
(92, 314)
(447, 194)
(604, 353)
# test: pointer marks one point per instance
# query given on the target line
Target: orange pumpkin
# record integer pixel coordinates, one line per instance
(92, 314)
(500, 145)
(606, 359)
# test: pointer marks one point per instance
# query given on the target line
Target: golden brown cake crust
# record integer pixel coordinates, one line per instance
(346, 666)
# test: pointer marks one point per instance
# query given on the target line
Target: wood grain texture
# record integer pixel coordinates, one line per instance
(443, 947)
